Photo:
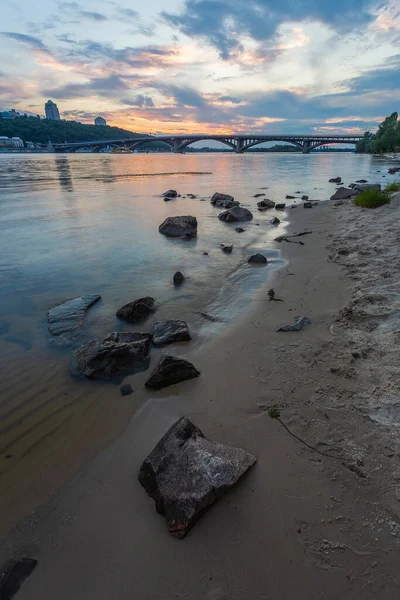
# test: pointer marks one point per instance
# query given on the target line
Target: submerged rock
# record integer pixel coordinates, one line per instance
(186, 473)
(167, 332)
(239, 229)
(178, 278)
(362, 181)
(304, 197)
(13, 574)
(266, 204)
(258, 195)
(227, 248)
(335, 180)
(170, 194)
(297, 325)
(344, 193)
(288, 197)
(138, 310)
(113, 357)
(368, 186)
(274, 221)
(68, 316)
(258, 259)
(168, 198)
(236, 214)
(223, 200)
(126, 389)
(185, 227)
(171, 370)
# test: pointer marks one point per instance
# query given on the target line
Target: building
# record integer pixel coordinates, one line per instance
(9, 114)
(100, 121)
(14, 142)
(17, 142)
(51, 110)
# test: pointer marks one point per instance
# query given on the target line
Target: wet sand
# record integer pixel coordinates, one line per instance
(300, 525)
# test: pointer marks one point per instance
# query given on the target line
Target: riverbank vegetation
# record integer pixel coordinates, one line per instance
(372, 199)
(386, 139)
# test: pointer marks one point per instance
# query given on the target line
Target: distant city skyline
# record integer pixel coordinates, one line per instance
(212, 66)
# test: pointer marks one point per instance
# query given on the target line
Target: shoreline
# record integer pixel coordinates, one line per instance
(299, 525)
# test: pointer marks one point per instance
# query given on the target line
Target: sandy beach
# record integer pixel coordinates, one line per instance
(308, 522)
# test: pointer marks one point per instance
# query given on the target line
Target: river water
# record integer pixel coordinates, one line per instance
(88, 224)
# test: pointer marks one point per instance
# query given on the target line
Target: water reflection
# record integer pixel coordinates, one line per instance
(64, 173)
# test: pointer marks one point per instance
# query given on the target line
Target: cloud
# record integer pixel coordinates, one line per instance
(184, 96)
(92, 16)
(25, 39)
(223, 23)
(140, 101)
(103, 86)
(230, 99)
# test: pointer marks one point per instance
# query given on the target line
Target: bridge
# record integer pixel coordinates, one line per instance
(239, 143)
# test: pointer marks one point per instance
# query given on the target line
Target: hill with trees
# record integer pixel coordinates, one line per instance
(33, 129)
(386, 139)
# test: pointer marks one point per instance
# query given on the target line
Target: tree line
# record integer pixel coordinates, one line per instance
(386, 139)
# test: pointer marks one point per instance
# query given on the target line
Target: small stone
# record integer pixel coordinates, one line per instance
(335, 180)
(223, 200)
(258, 259)
(170, 194)
(227, 249)
(304, 197)
(178, 278)
(274, 221)
(126, 389)
(280, 206)
(171, 370)
(168, 332)
(288, 197)
(205, 253)
(308, 204)
(138, 310)
(297, 325)
(239, 229)
(265, 204)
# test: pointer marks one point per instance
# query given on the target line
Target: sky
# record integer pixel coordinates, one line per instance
(204, 66)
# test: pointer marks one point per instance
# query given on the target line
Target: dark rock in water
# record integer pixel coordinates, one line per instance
(274, 221)
(280, 206)
(257, 259)
(304, 197)
(68, 316)
(335, 180)
(178, 278)
(138, 310)
(223, 200)
(344, 193)
(236, 214)
(170, 194)
(186, 473)
(239, 229)
(168, 198)
(288, 197)
(297, 325)
(227, 248)
(171, 370)
(205, 253)
(308, 204)
(167, 332)
(266, 204)
(192, 196)
(352, 185)
(13, 575)
(368, 186)
(126, 389)
(258, 195)
(185, 227)
(394, 170)
(362, 181)
(113, 357)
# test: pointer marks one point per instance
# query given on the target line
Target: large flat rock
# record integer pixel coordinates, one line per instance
(186, 473)
(344, 193)
(113, 357)
(171, 370)
(67, 317)
(167, 332)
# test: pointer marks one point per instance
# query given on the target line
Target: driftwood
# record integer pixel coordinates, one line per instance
(285, 238)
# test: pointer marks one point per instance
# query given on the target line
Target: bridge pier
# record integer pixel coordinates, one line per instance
(306, 147)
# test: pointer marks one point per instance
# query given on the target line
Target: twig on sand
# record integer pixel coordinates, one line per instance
(285, 238)
(274, 413)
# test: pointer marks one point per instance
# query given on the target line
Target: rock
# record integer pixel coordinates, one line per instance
(236, 214)
(178, 278)
(288, 197)
(258, 259)
(138, 310)
(352, 185)
(171, 370)
(361, 181)
(368, 186)
(186, 473)
(394, 170)
(258, 195)
(308, 204)
(205, 253)
(185, 227)
(223, 200)
(68, 316)
(167, 332)
(344, 193)
(335, 180)
(266, 204)
(13, 574)
(274, 221)
(113, 357)
(297, 325)
(167, 199)
(126, 389)
(192, 196)
(304, 197)
(280, 206)
(239, 229)
(170, 194)
(227, 248)
(339, 203)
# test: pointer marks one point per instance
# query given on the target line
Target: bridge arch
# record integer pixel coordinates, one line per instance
(188, 142)
(330, 143)
(136, 144)
(257, 142)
